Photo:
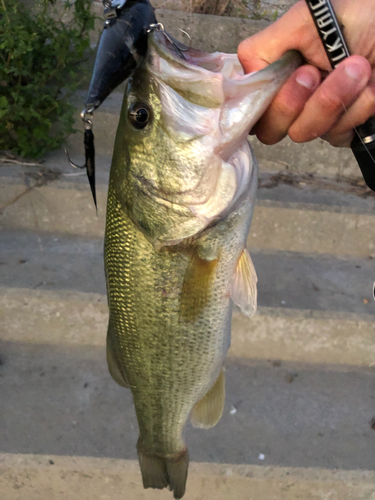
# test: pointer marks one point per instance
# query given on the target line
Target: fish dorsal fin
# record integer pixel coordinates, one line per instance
(207, 412)
(244, 286)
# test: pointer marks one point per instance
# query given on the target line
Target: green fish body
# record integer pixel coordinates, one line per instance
(180, 201)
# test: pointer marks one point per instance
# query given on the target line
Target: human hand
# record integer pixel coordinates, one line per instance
(315, 103)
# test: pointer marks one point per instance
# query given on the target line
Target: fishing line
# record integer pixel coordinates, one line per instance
(356, 130)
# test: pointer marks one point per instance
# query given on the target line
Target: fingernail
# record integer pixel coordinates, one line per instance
(354, 71)
(306, 80)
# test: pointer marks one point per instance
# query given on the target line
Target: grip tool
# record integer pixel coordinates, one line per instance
(363, 144)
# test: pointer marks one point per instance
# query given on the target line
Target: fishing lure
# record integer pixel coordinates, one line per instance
(122, 48)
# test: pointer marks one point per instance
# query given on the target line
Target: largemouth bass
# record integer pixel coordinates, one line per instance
(181, 197)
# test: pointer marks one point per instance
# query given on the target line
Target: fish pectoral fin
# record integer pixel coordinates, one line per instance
(161, 472)
(197, 286)
(207, 412)
(244, 285)
(112, 361)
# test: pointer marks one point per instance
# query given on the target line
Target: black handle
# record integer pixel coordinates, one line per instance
(363, 147)
(363, 144)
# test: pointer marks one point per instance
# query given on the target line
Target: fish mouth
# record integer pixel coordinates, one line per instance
(209, 104)
(215, 78)
(216, 82)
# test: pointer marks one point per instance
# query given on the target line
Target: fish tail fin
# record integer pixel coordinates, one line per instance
(177, 469)
(162, 472)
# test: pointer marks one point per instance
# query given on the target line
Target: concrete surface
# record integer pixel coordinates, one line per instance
(209, 33)
(35, 477)
(281, 333)
(60, 400)
(257, 9)
(53, 261)
(294, 214)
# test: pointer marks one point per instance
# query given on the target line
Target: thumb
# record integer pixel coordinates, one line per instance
(294, 30)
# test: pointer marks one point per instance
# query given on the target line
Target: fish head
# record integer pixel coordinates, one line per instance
(182, 159)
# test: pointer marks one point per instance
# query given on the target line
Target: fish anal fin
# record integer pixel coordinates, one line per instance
(244, 285)
(207, 412)
(196, 288)
(162, 472)
(113, 365)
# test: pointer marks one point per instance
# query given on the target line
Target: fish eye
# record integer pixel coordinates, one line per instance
(139, 115)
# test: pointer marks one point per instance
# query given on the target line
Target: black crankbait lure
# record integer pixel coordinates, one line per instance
(122, 47)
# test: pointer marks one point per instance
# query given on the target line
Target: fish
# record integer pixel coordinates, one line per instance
(181, 196)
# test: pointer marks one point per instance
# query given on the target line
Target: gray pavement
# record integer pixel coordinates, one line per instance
(60, 400)
(54, 261)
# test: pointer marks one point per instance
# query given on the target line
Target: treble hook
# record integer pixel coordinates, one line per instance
(187, 34)
(87, 118)
(160, 27)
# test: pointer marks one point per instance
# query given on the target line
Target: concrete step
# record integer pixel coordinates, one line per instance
(59, 399)
(40, 477)
(306, 336)
(52, 261)
(275, 227)
(53, 284)
(310, 238)
(293, 213)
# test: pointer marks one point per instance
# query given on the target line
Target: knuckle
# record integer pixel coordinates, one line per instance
(301, 134)
(269, 136)
(284, 108)
(329, 101)
(295, 137)
(338, 140)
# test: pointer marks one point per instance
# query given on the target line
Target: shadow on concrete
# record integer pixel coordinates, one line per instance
(61, 400)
